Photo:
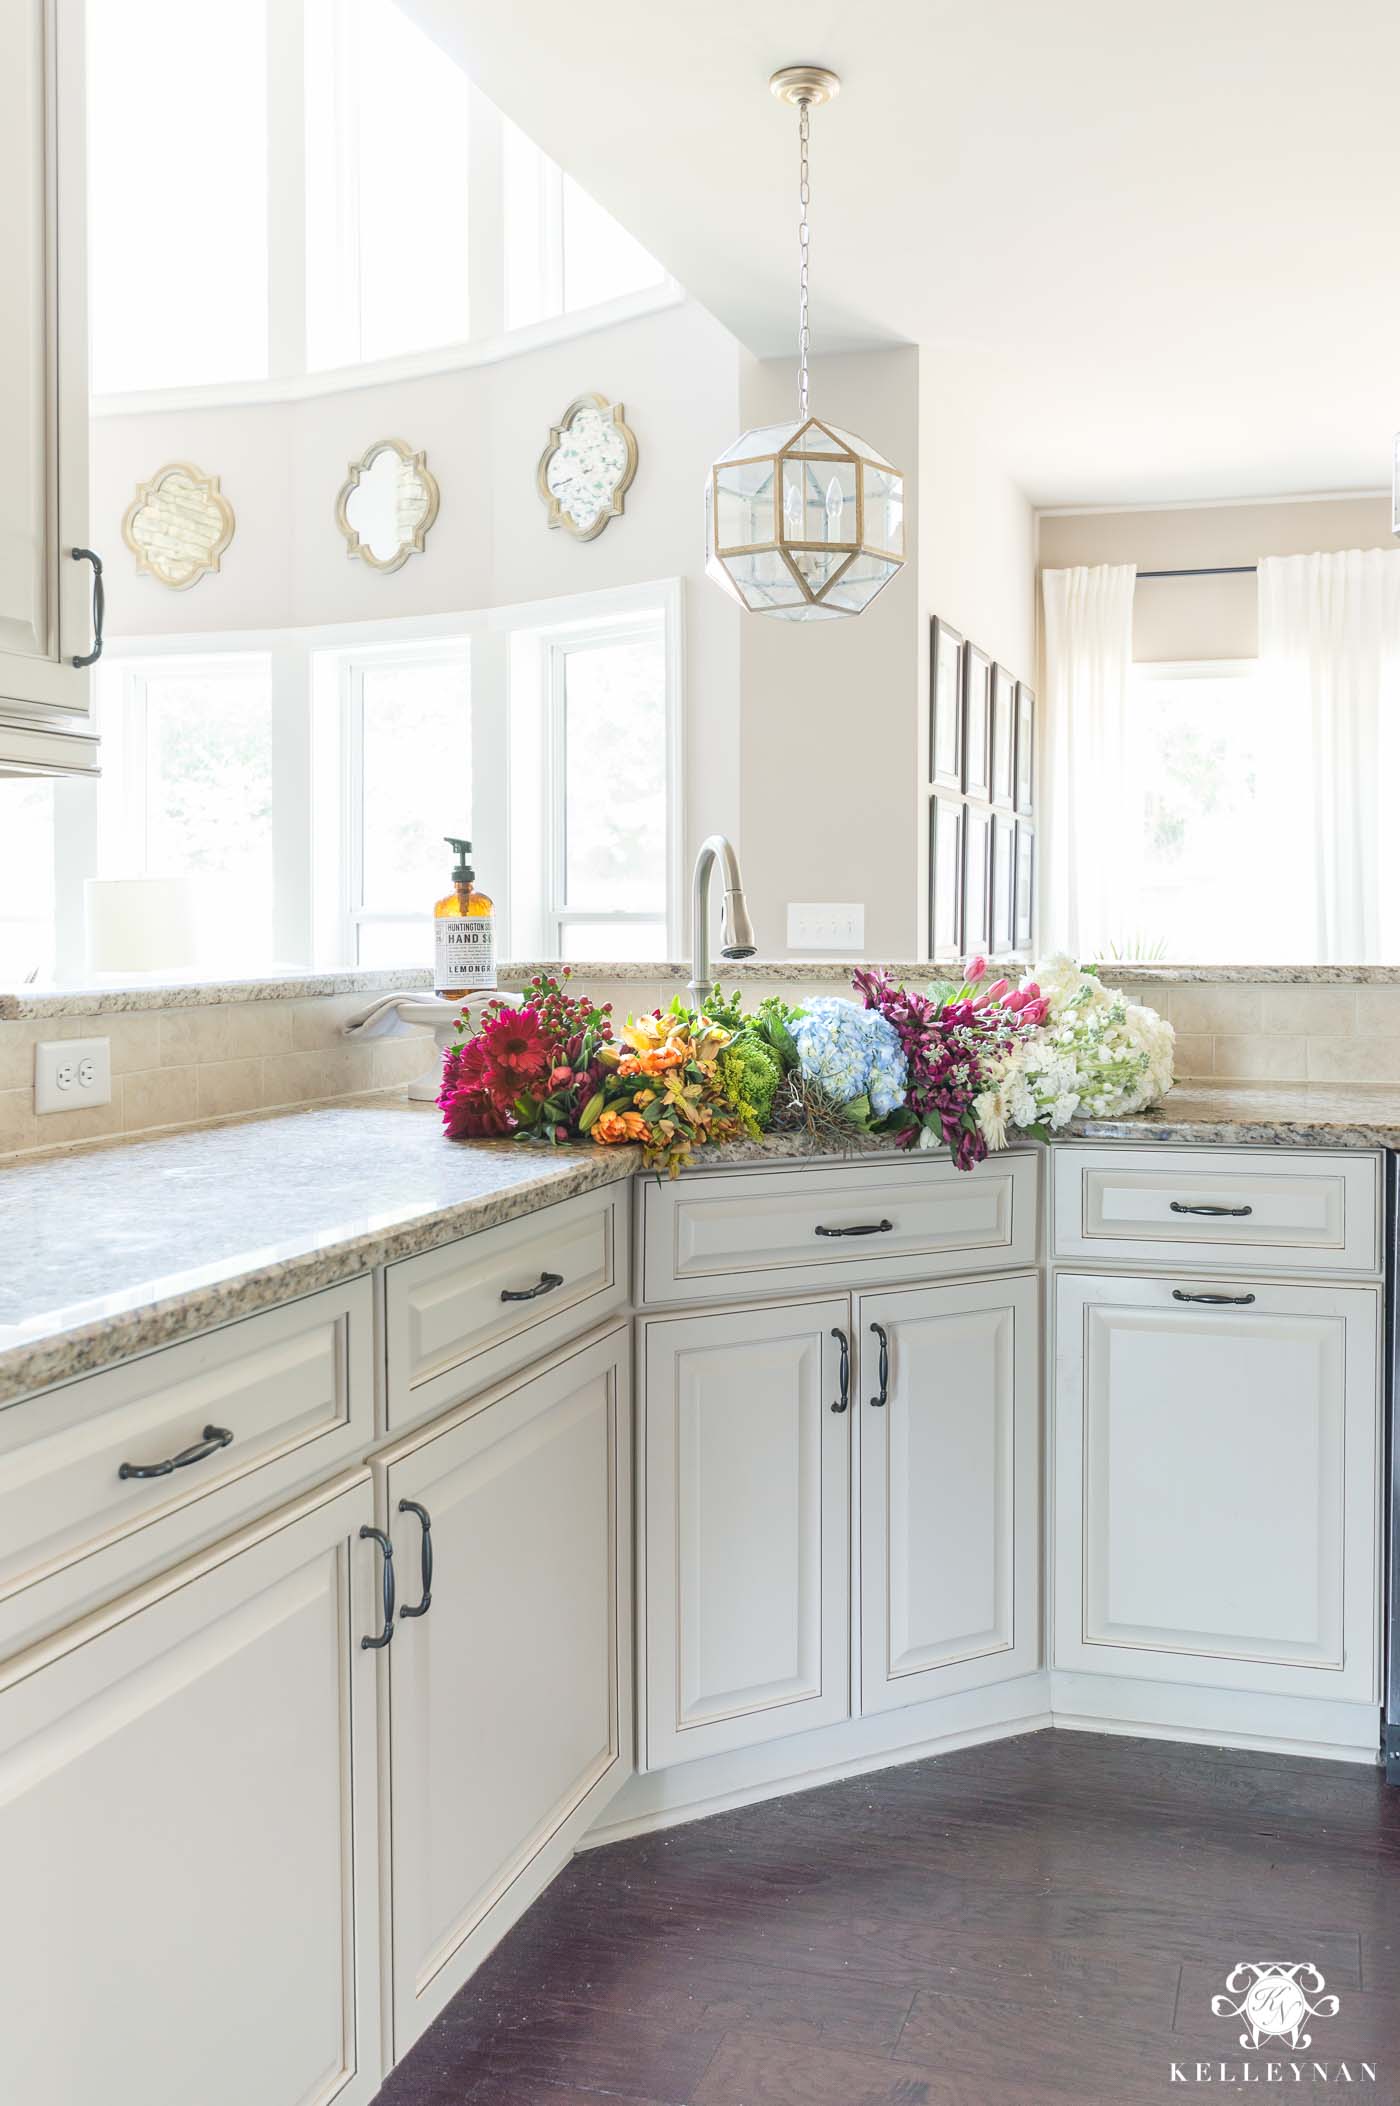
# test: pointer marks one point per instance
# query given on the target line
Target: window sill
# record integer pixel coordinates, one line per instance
(410, 365)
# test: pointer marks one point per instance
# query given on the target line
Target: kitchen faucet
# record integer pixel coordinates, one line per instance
(734, 916)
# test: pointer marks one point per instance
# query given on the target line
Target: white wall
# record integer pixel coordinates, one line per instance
(829, 735)
(483, 428)
(1202, 618)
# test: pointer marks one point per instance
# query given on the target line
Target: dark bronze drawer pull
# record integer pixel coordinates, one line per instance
(421, 1608)
(845, 1397)
(215, 1437)
(548, 1281)
(1180, 1206)
(862, 1228)
(99, 604)
(386, 1549)
(884, 1337)
(1214, 1301)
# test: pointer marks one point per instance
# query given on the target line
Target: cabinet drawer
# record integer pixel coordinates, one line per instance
(720, 1236)
(465, 1315)
(292, 1389)
(1293, 1211)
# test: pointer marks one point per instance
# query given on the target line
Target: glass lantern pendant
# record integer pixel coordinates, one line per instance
(803, 521)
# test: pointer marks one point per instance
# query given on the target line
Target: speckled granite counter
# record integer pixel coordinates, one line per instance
(1272, 1115)
(110, 1251)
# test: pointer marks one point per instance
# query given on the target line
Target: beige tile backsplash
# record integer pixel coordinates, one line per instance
(1281, 1033)
(178, 1067)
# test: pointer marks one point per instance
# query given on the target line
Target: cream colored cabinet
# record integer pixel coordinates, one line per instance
(188, 1832)
(509, 1676)
(746, 1629)
(1216, 1471)
(949, 1418)
(46, 592)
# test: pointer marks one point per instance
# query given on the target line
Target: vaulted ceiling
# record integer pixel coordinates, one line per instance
(1166, 240)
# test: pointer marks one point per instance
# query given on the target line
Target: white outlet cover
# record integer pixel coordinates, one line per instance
(72, 1074)
(817, 925)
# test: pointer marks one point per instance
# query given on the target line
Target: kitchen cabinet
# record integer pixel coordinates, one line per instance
(188, 1831)
(47, 594)
(746, 1526)
(1216, 1474)
(508, 1679)
(949, 1428)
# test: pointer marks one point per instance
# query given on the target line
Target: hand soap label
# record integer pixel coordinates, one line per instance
(464, 951)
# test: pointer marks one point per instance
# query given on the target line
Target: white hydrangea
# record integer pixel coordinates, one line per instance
(1096, 1052)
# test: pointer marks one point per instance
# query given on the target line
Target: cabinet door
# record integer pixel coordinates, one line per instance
(510, 1719)
(45, 596)
(747, 1528)
(950, 1489)
(188, 1831)
(1216, 1483)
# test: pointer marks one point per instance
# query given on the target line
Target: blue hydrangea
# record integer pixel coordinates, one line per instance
(851, 1052)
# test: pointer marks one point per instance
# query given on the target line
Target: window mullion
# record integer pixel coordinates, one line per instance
(286, 188)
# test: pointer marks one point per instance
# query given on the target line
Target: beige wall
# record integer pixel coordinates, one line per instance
(676, 371)
(1186, 618)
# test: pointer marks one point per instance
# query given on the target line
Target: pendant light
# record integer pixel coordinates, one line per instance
(803, 521)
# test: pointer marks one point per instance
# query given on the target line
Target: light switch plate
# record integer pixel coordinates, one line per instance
(822, 926)
(71, 1074)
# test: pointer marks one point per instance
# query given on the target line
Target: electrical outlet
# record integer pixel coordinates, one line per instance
(824, 927)
(72, 1074)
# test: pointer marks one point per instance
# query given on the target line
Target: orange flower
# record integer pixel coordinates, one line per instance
(620, 1126)
(663, 1057)
(629, 1065)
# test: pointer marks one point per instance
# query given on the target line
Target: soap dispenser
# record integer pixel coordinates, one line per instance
(464, 931)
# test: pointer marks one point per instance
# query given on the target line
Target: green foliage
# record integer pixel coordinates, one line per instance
(725, 1009)
(773, 1022)
(749, 1074)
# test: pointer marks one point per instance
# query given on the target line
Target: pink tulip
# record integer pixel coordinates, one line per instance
(997, 990)
(976, 970)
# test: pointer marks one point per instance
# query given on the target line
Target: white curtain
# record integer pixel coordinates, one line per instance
(1329, 648)
(1089, 847)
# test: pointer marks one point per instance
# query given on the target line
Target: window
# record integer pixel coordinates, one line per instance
(387, 120)
(302, 788)
(608, 748)
(563, 252)
(406, 718)
(1205, 763)
(186, 792)
(284, 189)
(27, 808)
(178, 148)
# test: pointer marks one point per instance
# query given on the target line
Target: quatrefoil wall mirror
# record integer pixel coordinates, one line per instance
(587, 468)
(178, 525)
(387, 504)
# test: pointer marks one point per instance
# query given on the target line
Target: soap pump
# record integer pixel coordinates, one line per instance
(464, 931)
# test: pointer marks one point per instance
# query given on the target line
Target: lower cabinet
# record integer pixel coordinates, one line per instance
(1215, 1483)
(949, 1417)
(753, 1540)
(747, 1526)
(509, 1674)
(190, 1881)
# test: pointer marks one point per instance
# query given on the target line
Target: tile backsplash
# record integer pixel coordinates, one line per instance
(1234, 1032)
(178, 1067)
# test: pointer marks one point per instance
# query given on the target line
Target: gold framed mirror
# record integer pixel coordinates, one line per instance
(178, 525)
(386, 504)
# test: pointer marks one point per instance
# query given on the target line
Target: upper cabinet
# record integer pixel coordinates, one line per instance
(49, 594)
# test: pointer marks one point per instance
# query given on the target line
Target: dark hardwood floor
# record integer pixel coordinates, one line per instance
(1040, 1922)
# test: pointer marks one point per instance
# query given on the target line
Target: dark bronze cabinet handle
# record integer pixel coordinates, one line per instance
(1214, 1301)
(386, 1550)
(421, 1608)
(862, 1228)
(1180, 1206)
(548, 1281)
(99, 604)
(845, 1397)
(215, 1437)
(884, 1397)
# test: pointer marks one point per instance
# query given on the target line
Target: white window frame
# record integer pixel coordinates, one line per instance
(516, 840)
(557, 644)
(287, 378)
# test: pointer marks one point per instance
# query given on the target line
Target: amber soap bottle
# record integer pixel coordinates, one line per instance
(464, 931)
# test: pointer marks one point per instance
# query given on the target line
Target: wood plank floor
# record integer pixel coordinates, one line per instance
(1040, 1922)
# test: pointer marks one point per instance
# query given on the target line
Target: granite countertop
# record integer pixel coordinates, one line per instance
(112, 1250)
